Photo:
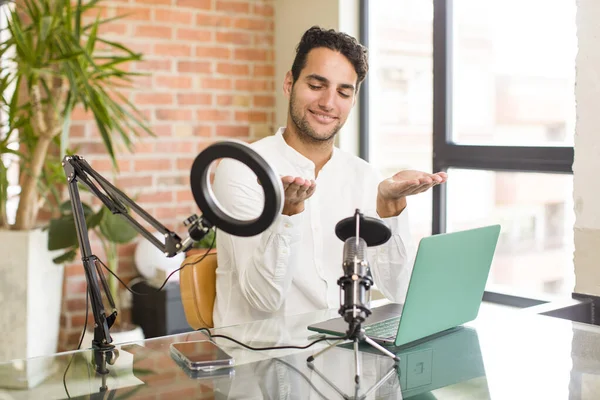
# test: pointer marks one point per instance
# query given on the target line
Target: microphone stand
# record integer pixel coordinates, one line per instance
(353, 284)
(78, 170)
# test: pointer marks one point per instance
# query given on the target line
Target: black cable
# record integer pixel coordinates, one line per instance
(211, 336)
(168, 277)
(87, 299)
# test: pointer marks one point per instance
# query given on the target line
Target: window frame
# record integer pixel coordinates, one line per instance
(448, 154)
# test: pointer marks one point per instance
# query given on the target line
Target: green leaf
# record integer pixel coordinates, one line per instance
(66, 257)
(117, 229)
(62, 233)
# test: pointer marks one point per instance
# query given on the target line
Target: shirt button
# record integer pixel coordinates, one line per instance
(287, 225)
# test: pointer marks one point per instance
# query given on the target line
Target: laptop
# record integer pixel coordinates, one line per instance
(445, 289)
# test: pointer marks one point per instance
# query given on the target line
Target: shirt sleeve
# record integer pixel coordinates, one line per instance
(392, 262)
(261, 262)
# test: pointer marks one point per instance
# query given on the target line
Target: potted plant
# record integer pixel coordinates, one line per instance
(51, 64)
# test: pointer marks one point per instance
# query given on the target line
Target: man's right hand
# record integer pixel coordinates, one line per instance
(297, 190)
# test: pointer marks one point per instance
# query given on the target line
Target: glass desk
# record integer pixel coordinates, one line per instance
(503, 354)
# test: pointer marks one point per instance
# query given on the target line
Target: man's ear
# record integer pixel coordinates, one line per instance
(288, 82)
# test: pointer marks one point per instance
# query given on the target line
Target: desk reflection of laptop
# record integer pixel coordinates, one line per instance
(438, 366)
(445, 290)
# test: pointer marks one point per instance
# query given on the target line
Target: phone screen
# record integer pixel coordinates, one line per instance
(202, 353)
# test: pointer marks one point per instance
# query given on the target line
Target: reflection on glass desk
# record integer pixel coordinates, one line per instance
(501, 355)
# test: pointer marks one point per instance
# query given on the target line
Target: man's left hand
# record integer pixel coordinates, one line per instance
(392, 192)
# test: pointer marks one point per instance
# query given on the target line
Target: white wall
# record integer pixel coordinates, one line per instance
(586, 167)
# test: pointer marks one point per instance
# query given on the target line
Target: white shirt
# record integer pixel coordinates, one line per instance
(294, 265)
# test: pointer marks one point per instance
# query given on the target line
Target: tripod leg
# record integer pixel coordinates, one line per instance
(356, 363)
(380, 382)
(381, 349)
(331, 346)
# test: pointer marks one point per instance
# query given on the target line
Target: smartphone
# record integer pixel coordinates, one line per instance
(200, 355)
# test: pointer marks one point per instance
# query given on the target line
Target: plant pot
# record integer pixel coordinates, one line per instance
(30, 294)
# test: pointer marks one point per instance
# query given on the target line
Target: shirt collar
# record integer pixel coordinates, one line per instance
(294, 156)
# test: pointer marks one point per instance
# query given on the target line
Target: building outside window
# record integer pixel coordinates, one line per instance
(512, 85)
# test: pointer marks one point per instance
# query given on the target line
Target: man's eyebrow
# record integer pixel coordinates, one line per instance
(324, 80)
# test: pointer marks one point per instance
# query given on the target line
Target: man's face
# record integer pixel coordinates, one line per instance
(323, 95)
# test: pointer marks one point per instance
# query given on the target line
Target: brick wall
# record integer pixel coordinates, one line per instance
(211, 76)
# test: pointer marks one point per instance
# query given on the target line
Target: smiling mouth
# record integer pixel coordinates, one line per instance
(323, 118)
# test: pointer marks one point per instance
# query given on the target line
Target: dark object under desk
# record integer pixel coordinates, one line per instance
(159, 313)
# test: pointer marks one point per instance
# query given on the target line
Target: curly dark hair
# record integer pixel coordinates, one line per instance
(316, 37)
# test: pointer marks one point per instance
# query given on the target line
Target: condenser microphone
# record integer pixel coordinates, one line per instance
(358, 232)
(356, 281)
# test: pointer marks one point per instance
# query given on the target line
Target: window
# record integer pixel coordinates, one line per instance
(485, 91)
(400, 94)
(535, 210)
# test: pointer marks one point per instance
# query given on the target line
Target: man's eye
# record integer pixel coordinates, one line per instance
(344, 95)
(314, 87)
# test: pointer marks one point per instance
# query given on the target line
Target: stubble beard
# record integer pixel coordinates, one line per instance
(305, 132)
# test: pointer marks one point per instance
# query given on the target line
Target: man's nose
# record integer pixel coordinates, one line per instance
(326, 101)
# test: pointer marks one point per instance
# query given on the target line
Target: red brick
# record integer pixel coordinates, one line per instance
(252, 54)
(241, 38)
(134, 182)
(112, 28)
(264, 70)
(203, 131)
(213, 115)
(200, 4)
(184, 195)
(162, 130)
(76, 305)
(185, 163)
(178, 17)
(153, 31)
(153, 98)
(261, 40)
(172, 49)
(194, 98)
(177, 146)
(154, 164)
(233, 69)
(76, 286)
(134, 13)
(266, 10)
(254, 85)
(174, 82)
(233, 131)
(153, 2)
(221, 21)
(153, 65)
(77, 131)
(198, 35)
(196, 67)
(213, 52)
(252, 116)
(264, 101)
(155, 197)
(174, 115)
(143, 147)
(253, 24)
(212, 83)
(233, 6)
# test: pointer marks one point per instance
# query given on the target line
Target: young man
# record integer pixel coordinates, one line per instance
(293, 266)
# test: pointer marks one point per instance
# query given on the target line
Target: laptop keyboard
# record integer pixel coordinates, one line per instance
(383, 329)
